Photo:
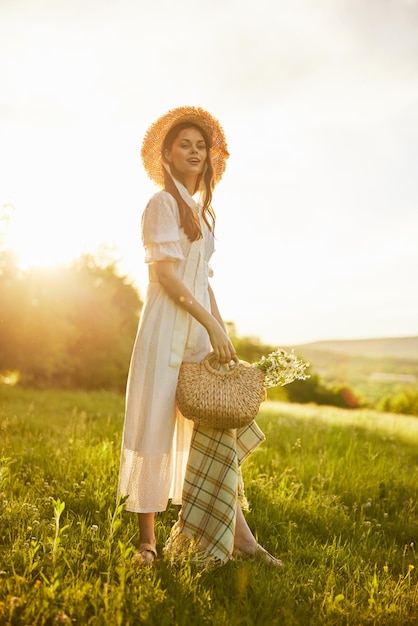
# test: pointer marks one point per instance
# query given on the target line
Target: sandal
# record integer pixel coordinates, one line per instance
(146, 555)
(260, 554)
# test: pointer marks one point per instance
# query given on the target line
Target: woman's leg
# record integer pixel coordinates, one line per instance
(146, 538)
(244, 539)
(246, 544)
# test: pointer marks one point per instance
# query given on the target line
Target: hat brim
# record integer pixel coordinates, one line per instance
(156, 133)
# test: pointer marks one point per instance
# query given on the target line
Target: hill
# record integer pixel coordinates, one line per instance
(403, 348)
(373, 368)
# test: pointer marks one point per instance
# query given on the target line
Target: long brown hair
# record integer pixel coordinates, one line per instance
(188, 219)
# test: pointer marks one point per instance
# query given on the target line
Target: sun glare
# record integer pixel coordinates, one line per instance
(40, 257)
(38, 249)
(34, 245)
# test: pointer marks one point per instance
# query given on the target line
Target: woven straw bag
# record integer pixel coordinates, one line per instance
(220, 396)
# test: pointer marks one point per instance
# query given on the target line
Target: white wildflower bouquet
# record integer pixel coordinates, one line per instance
(281, 368)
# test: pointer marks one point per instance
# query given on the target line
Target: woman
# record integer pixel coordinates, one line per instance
(184, 152)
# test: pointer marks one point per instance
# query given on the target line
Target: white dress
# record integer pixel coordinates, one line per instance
(156, 438)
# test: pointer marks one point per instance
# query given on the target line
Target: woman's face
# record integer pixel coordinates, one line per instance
(188, 152)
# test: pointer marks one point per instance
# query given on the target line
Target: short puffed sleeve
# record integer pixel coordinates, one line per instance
(161, 229)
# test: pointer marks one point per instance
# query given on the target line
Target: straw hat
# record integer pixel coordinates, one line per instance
(155, 135)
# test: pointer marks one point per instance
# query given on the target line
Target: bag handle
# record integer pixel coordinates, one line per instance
(213, 361)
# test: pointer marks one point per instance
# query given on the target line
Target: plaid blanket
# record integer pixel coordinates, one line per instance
(205, 529)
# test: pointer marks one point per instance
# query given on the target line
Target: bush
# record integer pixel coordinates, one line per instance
(314, 390)
(405, 402)
(71, 326)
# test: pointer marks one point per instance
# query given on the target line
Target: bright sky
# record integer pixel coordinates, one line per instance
(317, 232)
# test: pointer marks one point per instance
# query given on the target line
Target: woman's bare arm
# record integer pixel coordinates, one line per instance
(211, 320)
(214, 308)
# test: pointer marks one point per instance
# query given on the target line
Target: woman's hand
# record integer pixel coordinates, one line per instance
(221, 343)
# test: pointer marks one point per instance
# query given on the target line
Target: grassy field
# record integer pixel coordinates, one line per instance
(332, 492)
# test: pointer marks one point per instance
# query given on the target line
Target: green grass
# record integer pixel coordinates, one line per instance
(332, 492)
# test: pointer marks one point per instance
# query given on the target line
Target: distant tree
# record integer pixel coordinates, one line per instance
(248, 349)
(71, 326)
(13, 289)
(106, 315)
(405, 402)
